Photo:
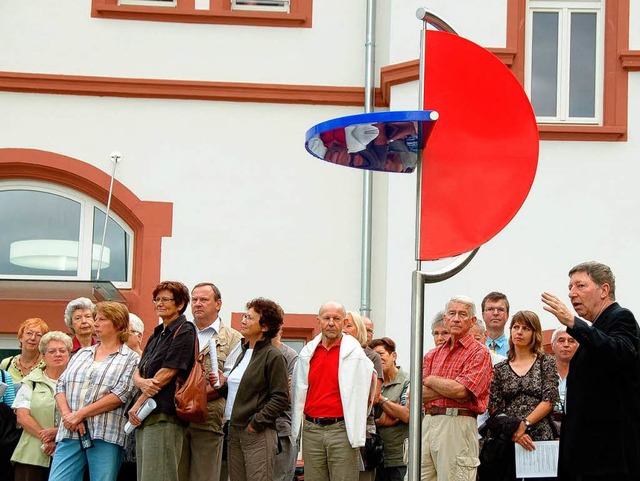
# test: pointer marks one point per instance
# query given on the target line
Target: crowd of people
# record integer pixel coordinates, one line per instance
(488, 390)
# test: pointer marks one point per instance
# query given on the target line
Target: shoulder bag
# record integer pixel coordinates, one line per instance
(191, 393)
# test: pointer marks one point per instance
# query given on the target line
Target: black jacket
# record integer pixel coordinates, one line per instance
(600, 432)
(497, 458)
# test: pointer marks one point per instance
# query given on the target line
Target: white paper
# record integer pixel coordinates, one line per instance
(214, 359)
(146, 408)
(539, 463)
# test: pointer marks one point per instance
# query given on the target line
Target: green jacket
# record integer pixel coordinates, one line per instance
(263, 394)
(43, 410)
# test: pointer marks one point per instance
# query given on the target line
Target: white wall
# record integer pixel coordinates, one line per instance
(252, 210)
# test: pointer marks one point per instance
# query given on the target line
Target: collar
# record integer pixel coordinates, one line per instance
(466, 340)
(259, 344)
(499, 341)
(215, 326)
(337, 344)
(169, 330)
(75, 343)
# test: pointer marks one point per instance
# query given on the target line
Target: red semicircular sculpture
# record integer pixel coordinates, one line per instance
(481, 158)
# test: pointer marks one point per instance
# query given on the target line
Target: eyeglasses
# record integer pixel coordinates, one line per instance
(501, 310)
(37, 335)
(164, 300)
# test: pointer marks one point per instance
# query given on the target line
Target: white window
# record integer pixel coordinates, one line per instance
(49, 232)
(261, 5)
(564, 66)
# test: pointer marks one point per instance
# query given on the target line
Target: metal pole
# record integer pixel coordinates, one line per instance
(367, 176)
(417, 298)
(415, 373)
(115, 158)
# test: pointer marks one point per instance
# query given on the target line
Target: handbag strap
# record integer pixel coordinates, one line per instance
(196, 345)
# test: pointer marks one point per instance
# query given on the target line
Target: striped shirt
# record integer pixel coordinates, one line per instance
(112, 375)
(468, 363)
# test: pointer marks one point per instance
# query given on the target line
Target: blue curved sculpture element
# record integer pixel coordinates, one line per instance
(378, 141)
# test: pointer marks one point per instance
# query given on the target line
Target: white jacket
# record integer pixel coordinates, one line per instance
(355, 374)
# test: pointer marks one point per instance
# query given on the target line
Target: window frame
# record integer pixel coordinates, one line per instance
(85, 235)
(192, 11)
(564, 9)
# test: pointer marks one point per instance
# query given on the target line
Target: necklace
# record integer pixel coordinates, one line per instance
(26, 367)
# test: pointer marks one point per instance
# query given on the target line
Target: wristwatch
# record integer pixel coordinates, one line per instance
(527, 423)
(384, 400)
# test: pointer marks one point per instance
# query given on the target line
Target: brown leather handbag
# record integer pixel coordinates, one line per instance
(191, 393)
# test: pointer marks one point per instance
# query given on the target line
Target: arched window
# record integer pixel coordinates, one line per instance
(52, 232)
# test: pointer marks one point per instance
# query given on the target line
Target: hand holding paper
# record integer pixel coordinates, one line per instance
(146, 409)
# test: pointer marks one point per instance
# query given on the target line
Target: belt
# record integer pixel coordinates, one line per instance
(323, 421)
(436, 411)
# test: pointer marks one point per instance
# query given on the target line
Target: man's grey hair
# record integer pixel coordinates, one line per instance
(599, 273)
(557, 332)
(467, 301)
(480, 325)
(136, 323)
(437, 319)
(73, 306)
(54, 336)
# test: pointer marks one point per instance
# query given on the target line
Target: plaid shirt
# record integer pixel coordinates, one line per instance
(113, 375)
(468, 363)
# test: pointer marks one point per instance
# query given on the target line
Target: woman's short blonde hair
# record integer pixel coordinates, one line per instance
(360, 327)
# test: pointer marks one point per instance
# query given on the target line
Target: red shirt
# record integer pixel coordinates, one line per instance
(75, 344)
(323, 396)
(467, 362)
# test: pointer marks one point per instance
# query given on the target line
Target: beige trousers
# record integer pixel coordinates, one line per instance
(449, 448)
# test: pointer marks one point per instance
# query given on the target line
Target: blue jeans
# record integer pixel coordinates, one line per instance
(69, 461)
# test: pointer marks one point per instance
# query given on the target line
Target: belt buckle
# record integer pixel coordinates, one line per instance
(451, 411)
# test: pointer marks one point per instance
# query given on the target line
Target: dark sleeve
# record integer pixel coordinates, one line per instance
(496, 396)
(180, 354)
(549, 379)
(377, 363)
(278, 391)
(619, 345)
(291, 362)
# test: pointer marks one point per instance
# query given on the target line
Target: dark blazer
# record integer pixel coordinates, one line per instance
(601, 428)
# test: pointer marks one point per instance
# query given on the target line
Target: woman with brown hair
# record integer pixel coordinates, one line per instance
(91, 395)
(525, 387)
(257, 394)
(167, 355)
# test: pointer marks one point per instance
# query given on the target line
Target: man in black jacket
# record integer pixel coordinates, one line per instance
(600, 437)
